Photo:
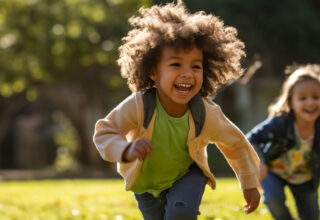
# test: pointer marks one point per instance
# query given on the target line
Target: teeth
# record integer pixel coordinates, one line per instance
(184, 85)
(310, 110)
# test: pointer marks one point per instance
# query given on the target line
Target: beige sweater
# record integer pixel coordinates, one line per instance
(124, 124)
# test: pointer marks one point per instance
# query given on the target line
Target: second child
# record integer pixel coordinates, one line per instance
(288, 143)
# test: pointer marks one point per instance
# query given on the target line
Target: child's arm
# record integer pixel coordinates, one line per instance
(261, 134)
(235, 147)
(252, 197)
(238, 152)
(264, 134)
(111, 132)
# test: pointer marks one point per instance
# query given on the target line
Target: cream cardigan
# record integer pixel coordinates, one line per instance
(124, 124)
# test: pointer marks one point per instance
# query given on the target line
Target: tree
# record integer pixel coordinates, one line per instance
(65, 50)
(281, 32)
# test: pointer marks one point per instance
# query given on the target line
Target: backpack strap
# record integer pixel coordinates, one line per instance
(196, 106)
(198, 112)
(149, 104)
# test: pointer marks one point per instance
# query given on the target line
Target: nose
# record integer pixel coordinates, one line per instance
(310, 101)
(186, 72)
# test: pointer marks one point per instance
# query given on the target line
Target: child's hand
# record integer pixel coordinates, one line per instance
(138, 149)
(252, 197)
(263, 171)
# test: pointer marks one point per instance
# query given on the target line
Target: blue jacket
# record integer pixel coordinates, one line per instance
(276, 135)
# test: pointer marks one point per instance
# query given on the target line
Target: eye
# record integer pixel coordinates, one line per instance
(315, 97)
(174, 64)
(197, 67)
(302, 98)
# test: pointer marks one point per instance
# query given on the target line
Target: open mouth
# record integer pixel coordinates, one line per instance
(310, 111)
(183, 87)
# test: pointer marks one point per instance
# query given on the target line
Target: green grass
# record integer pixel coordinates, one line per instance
(107, 200)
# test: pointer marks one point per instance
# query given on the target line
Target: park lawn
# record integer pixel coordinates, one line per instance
(107, 200)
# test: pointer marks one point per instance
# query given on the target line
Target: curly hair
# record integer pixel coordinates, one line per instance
(172, 25)
(297, 74)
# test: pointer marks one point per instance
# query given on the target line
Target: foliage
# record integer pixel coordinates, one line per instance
(107, 199)
(48, 41)
(65, 139)
(64, 50)
(281, 32)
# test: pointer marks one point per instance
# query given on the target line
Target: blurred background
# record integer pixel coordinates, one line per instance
(58, 74)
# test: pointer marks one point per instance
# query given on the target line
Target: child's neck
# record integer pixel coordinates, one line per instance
(305, 129)
(176, 112)
(173, 109)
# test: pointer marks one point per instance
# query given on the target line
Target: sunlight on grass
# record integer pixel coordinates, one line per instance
(107, 200)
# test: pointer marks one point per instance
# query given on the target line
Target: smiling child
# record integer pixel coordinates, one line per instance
(173, 60)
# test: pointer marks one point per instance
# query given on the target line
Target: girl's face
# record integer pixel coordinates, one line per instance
(178, 77)
(306, 101)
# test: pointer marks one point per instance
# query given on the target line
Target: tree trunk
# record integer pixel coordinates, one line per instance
(9, 107)
(72, 102)
(83, 150)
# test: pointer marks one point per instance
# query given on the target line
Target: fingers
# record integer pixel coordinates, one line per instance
(252, 197)
(141, 148)
(147, 147)
(248, 208)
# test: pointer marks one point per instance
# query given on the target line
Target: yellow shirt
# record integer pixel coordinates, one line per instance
(295, 165)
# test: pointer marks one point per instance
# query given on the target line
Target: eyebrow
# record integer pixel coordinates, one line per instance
(174, 57)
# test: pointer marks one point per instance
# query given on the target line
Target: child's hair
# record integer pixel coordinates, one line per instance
(298, 74)
(172, 25)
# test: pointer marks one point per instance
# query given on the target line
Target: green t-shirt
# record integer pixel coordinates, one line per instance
(170, 157)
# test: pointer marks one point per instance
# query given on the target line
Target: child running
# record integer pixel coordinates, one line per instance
(173, 60)
(289, 147)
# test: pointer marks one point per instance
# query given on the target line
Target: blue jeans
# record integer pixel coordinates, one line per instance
(180, 202)
(306, 199)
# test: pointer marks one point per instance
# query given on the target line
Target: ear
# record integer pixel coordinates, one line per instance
(153, 74)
